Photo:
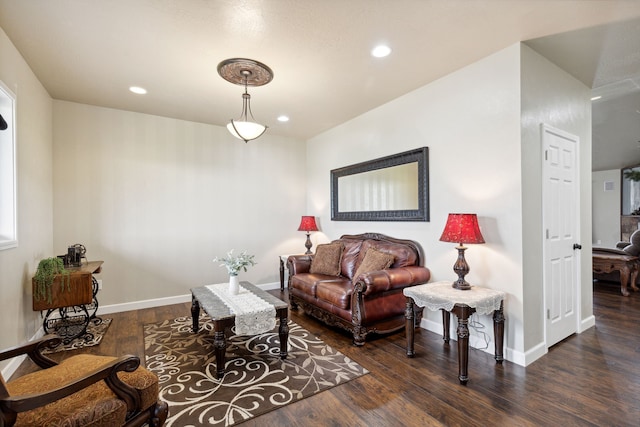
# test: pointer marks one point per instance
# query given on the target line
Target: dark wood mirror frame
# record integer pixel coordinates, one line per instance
(419, 155)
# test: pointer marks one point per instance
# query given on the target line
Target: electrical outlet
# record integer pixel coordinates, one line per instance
(99, 284)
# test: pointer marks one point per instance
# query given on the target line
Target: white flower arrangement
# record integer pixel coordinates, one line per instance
(236, 263)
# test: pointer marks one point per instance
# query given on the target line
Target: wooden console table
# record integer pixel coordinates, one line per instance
(441, 296)
(74, 307)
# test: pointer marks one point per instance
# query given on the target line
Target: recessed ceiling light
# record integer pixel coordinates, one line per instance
(283, 118)
(138, 90)
(595, 98)
(381, 51)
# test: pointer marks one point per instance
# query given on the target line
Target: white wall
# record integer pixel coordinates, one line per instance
(470, 120)
(157, 199)
(35, 193)
(551, 96)
(606, 208)
(484, 148)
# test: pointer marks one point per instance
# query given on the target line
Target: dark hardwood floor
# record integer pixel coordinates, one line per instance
(591, 379)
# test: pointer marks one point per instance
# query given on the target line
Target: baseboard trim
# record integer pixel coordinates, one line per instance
(15, 362)
(534, 354)
(139, 305)
(158, 302)
(587, 323)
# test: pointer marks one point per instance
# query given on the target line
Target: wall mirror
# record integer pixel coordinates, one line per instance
(392, 188)
(630, 190)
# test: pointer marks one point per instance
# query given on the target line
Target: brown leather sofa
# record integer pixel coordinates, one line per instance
(356, 282)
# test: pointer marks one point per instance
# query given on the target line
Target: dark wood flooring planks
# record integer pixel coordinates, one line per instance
(591, 379)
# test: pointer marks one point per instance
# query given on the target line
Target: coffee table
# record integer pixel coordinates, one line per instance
(224, 318)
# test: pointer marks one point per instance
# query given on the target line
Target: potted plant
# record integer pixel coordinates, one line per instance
(45, 275)
(235, 263)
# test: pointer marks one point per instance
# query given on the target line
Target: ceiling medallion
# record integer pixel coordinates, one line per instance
(245, 72)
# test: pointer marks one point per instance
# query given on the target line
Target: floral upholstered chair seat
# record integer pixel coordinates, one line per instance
(83, 390)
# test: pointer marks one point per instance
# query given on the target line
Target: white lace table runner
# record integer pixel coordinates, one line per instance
(253, 314)
(440, 295)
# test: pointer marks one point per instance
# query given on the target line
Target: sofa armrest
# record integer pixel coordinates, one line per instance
(610, 251)
(298, 264)
(394, 278)
(622, 245)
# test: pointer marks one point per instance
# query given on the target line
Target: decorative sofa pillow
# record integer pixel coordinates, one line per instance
(327, 259)
(374, 260)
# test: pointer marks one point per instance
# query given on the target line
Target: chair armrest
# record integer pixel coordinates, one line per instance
(298, 264)
(34, 350)
(108, 372)
(376, 282)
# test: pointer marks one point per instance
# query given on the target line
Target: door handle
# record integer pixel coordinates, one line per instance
(577, 246)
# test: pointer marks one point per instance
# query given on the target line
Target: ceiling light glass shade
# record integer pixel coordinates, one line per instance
(245, 130)
(246, 72)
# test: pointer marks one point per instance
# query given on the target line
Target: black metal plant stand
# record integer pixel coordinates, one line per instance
(72, 322)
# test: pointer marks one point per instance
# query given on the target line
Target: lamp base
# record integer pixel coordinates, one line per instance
(461, 284)
(308, 245)
(461, 268)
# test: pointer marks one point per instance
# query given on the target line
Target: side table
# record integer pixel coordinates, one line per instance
(442, 296)
(283, 261)
(69, 312)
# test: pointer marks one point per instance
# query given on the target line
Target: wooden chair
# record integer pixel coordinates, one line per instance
(81, 390)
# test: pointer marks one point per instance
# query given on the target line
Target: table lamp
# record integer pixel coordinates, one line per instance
(308, 224)
(461, 228)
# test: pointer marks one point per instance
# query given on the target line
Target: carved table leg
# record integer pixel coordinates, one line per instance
(634, 276)
(283, 332)
(409, 326)
(195, 314)
(625, 270)
(281, 275)
(220, 346)
(446, 325)
(498, 333)
(463, 312)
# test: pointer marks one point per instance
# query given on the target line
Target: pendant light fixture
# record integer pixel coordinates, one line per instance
(245, 72)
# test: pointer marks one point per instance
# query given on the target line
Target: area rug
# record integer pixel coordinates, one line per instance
(256, 380)
(96, 329)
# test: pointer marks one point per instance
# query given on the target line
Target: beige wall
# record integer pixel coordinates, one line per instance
(35, 193)
(553, 97)
(157, 199)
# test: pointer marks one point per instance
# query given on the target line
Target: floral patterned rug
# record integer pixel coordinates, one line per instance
(96, 329)
(256, 380)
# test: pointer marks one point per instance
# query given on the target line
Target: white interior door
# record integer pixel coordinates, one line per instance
(560, 224)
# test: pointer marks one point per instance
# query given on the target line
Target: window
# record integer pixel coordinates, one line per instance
(8, 227)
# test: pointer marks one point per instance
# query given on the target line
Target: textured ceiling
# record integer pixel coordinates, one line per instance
(91, 51)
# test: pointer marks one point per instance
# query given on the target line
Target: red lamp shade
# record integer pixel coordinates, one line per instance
(462, 228)
(308, 223)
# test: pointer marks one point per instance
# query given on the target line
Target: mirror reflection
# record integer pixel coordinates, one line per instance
(394, 188)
